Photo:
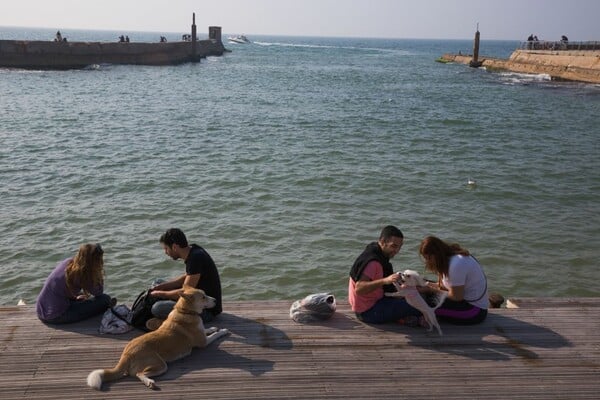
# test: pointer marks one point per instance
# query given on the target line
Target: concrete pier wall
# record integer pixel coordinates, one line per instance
(573, 65)
(69, 55)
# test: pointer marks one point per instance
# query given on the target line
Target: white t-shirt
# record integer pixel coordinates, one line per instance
(466, 271)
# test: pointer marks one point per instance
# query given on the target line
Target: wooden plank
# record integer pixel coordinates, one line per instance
(533, 353)
(531, 302)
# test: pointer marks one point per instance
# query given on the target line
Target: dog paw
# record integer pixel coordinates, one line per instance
(211, 330)
(150, 383)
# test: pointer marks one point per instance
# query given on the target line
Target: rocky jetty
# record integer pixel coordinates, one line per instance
(570, 65)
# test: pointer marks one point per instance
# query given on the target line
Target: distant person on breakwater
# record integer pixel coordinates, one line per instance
(372, 275)
(461, 275)
(200, 272)
(74, 291)
(530, 40)
(58, 37)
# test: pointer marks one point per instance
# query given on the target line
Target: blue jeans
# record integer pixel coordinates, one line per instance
(83, 309)
(162, 308)
(388, 309)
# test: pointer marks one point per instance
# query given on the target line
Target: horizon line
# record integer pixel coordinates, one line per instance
(255, 34)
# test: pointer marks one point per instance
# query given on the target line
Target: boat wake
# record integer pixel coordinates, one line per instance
(315, 46)
(515, 78)
(324, 46)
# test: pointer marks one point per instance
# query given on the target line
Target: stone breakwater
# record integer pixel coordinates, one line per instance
(60, 54)
(69, 55)
(571, 65)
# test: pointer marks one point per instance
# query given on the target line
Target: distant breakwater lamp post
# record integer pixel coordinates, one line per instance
(195, 58)
(475, 63)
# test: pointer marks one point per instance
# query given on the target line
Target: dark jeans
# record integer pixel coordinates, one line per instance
(162, 308)
(83, 309)
(388, 309)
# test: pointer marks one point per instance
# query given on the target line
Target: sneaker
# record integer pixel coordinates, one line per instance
(153, 324)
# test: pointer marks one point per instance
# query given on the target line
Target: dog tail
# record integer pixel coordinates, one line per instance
(98, 376)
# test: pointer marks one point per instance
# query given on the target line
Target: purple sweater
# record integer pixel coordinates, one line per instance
(55, 298)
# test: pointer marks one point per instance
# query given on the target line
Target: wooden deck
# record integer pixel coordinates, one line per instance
(543, 350)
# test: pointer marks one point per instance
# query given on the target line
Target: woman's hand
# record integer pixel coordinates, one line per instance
(432, 285)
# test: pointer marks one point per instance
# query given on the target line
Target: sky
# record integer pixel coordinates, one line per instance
(428, 19)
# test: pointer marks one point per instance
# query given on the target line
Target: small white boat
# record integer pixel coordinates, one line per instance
(238, 39)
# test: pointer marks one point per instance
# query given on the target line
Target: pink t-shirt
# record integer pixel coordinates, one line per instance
(362, 302)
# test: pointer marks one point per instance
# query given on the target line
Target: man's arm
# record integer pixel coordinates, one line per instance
(170, 285)
(191, 280)
(365, 285)
(170, 290)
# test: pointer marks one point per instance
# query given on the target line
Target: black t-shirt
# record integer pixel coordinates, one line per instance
(200, 262)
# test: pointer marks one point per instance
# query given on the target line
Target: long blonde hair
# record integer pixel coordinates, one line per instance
(86, 268)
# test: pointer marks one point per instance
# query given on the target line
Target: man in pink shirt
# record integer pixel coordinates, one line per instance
(372, 275)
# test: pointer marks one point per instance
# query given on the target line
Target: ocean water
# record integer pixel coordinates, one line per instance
(285, 157)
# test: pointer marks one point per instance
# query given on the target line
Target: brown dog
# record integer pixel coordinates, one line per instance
(147, 355)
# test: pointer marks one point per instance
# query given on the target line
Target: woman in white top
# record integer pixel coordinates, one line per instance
(461, 276)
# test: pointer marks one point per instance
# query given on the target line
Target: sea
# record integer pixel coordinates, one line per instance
(285, 157)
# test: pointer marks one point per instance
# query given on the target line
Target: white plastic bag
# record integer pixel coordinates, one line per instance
(111, 323)
(314, 307)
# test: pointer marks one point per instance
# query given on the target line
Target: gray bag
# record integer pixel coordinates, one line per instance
(314, 307)
(115, 320)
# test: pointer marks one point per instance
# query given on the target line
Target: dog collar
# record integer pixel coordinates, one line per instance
(184, 311)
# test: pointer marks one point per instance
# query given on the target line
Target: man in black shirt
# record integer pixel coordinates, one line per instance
(200, 272)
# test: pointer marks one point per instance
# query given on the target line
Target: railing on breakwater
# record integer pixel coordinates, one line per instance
(558, 45)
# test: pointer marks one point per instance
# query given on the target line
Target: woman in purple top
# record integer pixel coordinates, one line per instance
(74, 290)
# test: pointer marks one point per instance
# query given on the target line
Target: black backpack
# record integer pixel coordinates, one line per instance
(141, 310)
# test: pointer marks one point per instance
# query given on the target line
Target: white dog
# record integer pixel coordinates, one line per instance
(411, 279)
(147, 355)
